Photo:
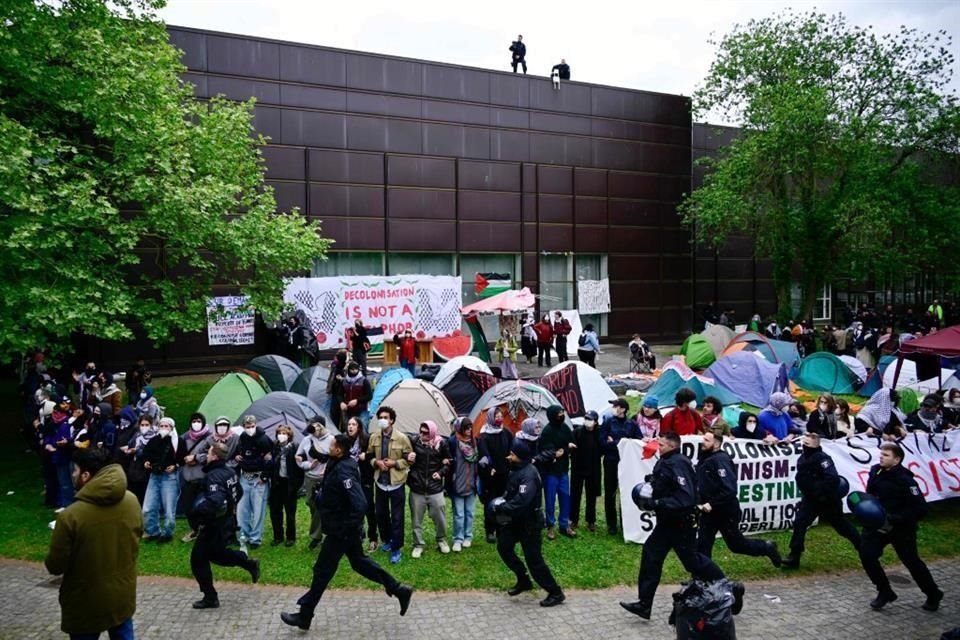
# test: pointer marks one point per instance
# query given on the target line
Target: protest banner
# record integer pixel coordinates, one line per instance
(564, 384)
(593, 296)
(427, 305)
(233, 327)
(766, 475)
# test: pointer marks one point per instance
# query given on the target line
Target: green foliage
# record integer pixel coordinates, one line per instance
(848, 141)
(123, 200)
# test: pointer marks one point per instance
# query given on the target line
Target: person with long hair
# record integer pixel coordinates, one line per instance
(358, 451)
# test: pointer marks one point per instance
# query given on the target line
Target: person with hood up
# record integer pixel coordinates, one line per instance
(110, 393)
(286, 478)
(748, 427)
(684, 420)
(585, 470)
(103, 429)
(161, 460)
(429, 464)
(312, 456)
(494, 445)
(522, 522)
(775, 422)
(254, 455)
(928, 417)
(358, 451)
(615, 427)
(94, 546)
(356, 394)
(191, 472)
(462, 481)
(506, 349)
(648, 418)
(137, 474)
(126, 435)
(147, 404)
(221, 433)
(880, 416)
(557, 437)
(338, 369)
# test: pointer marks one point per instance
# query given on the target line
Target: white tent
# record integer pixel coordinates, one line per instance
(594, 390)
(908, 378)
(856, 367)
(450, 368)
(417, 400)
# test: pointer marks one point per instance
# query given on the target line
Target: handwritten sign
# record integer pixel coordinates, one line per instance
(233, 327)
(593, 296)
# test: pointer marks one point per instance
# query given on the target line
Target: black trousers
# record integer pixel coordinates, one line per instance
(904, 541)
(283, 502)
(334, 547)
(530, 538)
(579, 483)
(491, 487)
(390, 505)
(371, 514)
(610, 485)
(521, 61)
(561, 347)
(361, 357)
(726, 520)
(682, 538)
(588, 356)
(829, 512)
(211, 546)
(543, 353)
(188, 495)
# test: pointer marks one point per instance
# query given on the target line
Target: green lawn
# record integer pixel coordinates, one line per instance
(594, 560)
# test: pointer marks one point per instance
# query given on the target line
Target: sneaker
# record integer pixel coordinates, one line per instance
(491, 538)
(254, 545)
(395, 557)
(522, 585)
(638, 608)
(551, 533)
(59, 509)
(467, 543)
(568, 532)
(189, 536)
(774, 554)
(386, 547)
(372, 546)
(457, 546)
(296, 620)
(444, 547)
(738, 591)
(553, 600)
(883, 599)
(404, 593)
(253, 566)
(417, 552)
(206, 604)
(933, 602)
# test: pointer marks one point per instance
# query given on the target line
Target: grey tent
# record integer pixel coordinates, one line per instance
(312, 383)
(278, 372)
(283, 407)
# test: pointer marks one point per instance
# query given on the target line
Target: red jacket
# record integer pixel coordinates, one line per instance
(562, 328)
(408, 348)
(683, 423)
(544, 332)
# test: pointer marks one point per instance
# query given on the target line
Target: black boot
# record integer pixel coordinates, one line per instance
(403, 594)
(207, 603)
(738, 591)
(638, 608)
(523, 584)
(253, 566)
(774, 554)
(933, 601)
(792, 561)
(883, 599)
(553, 599)
(296, 620)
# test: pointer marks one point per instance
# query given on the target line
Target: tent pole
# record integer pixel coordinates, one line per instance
(896, 372)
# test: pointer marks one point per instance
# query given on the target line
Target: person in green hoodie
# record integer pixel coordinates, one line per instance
(557, 437)
(95, 544)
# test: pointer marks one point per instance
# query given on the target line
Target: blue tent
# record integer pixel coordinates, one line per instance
(875, 380)
(748, 377)
(772, 350)
(385, 384)
(666, 386)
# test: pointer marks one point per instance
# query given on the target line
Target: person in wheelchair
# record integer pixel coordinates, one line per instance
(642, 359)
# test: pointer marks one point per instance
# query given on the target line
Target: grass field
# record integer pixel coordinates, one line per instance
(593, 560)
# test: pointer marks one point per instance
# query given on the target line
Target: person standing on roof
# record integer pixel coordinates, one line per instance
(519, 54)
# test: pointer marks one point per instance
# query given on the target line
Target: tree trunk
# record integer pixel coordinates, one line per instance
(811, 287)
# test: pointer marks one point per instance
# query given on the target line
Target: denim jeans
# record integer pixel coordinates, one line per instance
(123, 631)
(463, 509)
(65, 495)
(555, 484)
(163, 491)
(252, 510)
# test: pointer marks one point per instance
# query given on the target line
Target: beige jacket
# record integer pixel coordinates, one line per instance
(398, 449)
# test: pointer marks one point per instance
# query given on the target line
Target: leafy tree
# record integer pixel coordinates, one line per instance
(846, 140)
(123, 199)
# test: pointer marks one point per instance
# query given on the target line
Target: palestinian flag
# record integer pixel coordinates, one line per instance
(490, 284)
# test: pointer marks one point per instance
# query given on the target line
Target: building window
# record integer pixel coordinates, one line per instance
(349, 263)
(823, 309)
(427, 264)
(559, 275)
(592, 267)
(473, 263)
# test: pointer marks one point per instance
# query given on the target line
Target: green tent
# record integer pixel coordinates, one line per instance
(232, 393)
(698, 352)
(909, 402)
(824, 371)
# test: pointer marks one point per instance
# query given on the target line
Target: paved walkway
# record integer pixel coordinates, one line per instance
(816, 608)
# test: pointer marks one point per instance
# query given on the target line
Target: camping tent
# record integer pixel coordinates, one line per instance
(748, 377)
(312, 383)
(874, 380)
(823, 371)
(519, 400)
(465, 388)
(910, 379)
(278, 372)
(698, 352)
(670, 382)
(386, 381)
(772, 350)
(719, 336)
(417, 400)
(579, 388)
(231, 394)
(283, 407)
(450, 368)
(945, 343)
(856, 367)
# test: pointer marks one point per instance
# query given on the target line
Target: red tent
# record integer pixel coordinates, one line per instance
(506, 302)
(944, 343)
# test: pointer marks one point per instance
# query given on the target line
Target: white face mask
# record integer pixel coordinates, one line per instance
(823, 407)
(751, 426)
(222, 430)
(383, 423)
(71, 420)
(164, 433)
(282, 438)
(143, 396)
(196, 426)
(144, 430)
(250, 430)
(692, 404)
(837, 412)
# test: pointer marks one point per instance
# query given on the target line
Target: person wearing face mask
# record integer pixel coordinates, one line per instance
(147, 404)
(85, 380)
(137, 475)
(338, 369)
(462, 481)
(254, 455)
(387, 453)
(928, 417)
(819, 484)
(126, 435)
(844, 421)
(161, 461)
(544, 331)
(221, 433)
(104, 432)
(684, 419)
(358, 451)
(212, 515)
(557, 437)
(748, 427)
(823, 421)
(506, 350)
(522, 522)
(648, 419)
(585, 470)
(719, 507)
(429, 464)
(775, 421)
(356, 394)
(57, 447)
(614, 428)
(191, 472)
(311, 456)
(407, 350)
(951, 408)
(94, 546)
(286, 478)
(494, 444)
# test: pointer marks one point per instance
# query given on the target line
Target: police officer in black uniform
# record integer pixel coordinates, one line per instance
(213, 517)
(819, 482)
(719, 507)
(896, 489)
(518, 52)
(342, 507)
(674, 500)
(521, 520)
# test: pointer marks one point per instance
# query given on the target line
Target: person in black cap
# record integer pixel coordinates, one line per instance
(585, 470)
(614, 428)
(519, 54)
(521, 520)
(343, 506)
(896, 488)
(674, 499)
